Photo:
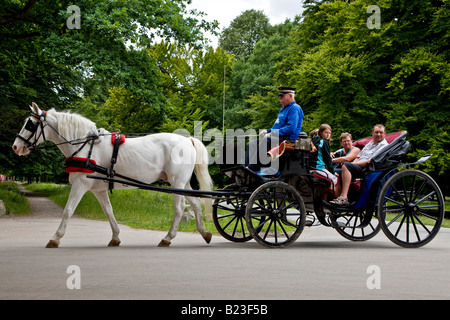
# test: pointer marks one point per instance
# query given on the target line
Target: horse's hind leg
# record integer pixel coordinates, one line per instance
(178, 213)
(196, 206)
(76, 193)
(105, 203)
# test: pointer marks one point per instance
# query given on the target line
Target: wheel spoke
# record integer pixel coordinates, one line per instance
(398, 194)
(289, 206)
(289, 223)
(428, 196)
(241, 219)
(394, 208)
(354, 224)
(418, 192)
(284, 230)
(268, 200)
(412, 189)
(415, 228)
(392, 200)
(275, 230)
(262, 223)
(427, 215)
(268, 229)
(395, 219)
(226, 215)
(280, 202)
(423, 225)
(400, 225)
(226, 226)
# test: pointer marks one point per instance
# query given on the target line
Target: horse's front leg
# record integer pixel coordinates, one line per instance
(105, 203)
(76, 193)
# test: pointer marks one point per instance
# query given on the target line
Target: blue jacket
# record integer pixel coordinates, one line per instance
(289, 122)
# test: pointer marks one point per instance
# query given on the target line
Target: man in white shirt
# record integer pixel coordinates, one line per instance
(354, 169)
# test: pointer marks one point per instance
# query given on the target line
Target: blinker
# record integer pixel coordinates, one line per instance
(31, 125)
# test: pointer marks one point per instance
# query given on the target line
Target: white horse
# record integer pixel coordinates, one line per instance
(146, 159)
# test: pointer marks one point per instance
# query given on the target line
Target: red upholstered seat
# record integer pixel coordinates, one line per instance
(361, 143)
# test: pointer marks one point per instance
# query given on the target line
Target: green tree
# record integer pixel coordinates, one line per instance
(44, 59)
(193, 82)
(253, 78)
(244, 32)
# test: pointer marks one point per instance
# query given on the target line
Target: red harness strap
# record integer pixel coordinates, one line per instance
(78, 164)
(121, 138)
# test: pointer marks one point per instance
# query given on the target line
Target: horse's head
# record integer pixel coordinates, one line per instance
(32, 132)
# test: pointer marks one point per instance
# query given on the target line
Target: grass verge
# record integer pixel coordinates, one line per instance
(135, 208)
(15, 202)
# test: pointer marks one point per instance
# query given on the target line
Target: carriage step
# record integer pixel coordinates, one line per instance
(336, 224)
(338, 207)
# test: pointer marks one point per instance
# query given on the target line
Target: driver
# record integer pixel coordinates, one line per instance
(286, 127)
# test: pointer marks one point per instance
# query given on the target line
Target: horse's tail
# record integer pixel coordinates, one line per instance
(202, 173)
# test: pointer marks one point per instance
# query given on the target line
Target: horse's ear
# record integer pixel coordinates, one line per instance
(34, 107)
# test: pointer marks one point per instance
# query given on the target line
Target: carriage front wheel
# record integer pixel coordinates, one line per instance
(275, 214)
(411, 208)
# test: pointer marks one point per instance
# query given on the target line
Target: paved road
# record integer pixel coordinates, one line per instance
(319, 265)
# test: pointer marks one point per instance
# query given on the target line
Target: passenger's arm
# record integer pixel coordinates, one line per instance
(348, 158)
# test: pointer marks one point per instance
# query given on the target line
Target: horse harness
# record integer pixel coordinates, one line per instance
(88, 165)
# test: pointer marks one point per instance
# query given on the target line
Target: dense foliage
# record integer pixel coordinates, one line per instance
(90, 63)
(347, 74)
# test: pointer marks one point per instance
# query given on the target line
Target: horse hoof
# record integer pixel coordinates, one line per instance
(207, 237)
(52, 244)
(114, 243)
(164, 243)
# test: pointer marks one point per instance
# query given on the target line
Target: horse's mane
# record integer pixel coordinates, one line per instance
(73, 126)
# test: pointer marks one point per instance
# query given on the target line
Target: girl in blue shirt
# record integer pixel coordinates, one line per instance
(321, 159)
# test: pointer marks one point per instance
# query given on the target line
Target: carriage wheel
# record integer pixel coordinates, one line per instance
(357, 226)
(229, 216)
(411, 208)
(275, 214)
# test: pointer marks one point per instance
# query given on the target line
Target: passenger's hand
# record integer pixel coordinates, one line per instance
(263, 133)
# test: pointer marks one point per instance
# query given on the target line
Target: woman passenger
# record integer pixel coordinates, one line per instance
(347, 154)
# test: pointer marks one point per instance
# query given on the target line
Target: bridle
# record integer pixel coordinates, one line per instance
(34, 122)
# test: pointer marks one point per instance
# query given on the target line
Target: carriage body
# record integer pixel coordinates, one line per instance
(273, 207)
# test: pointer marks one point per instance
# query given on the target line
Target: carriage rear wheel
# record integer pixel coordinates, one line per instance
(411, 208)
(275, 214)
(229, 216)
(356, 226)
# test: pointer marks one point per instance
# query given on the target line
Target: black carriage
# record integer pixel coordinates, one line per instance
(274, 207)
